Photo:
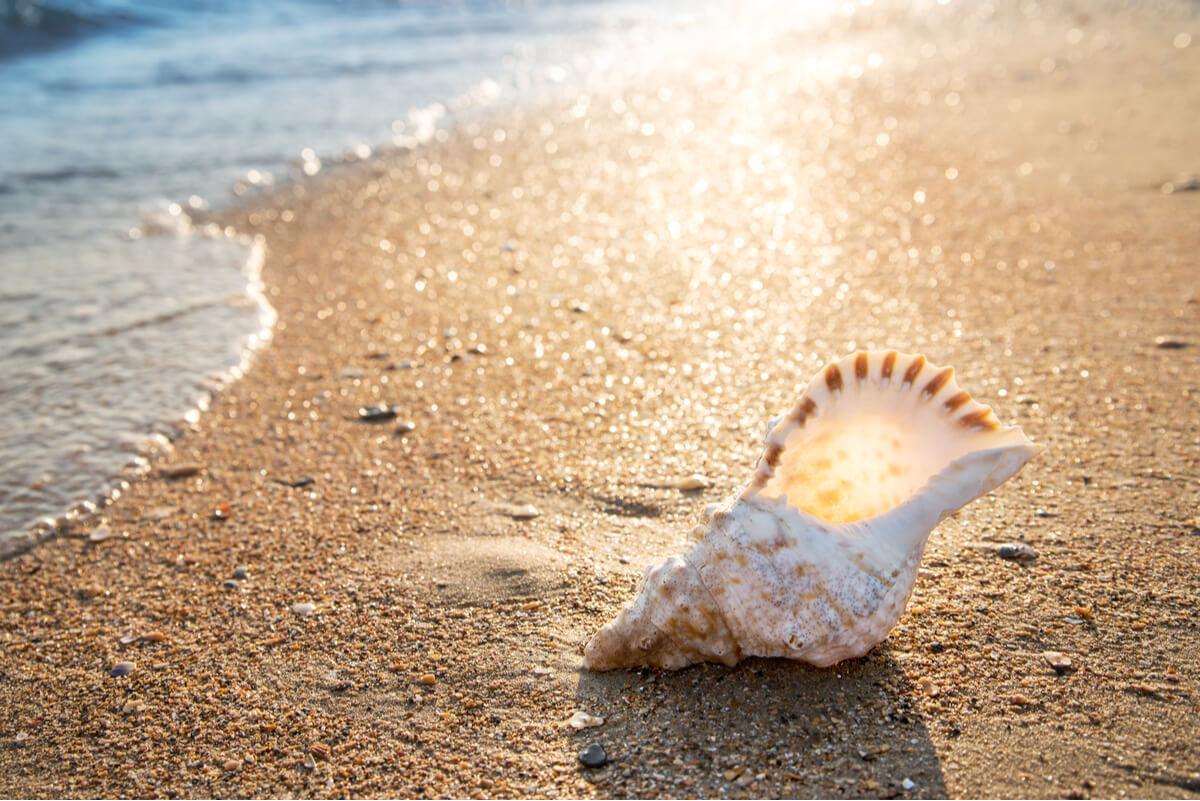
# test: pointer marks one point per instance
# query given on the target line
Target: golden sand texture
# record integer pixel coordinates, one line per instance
(615, 294)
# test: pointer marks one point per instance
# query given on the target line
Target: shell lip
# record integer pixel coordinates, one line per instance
(752, 492)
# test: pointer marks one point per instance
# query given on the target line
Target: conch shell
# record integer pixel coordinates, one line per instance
(816, 557)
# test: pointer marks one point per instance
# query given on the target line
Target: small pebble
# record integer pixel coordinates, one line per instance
(1017, 551)
(233, 764)
(99, 534)
(154, 636)
(406, 427)
(304, 609)
(378, 414)
(593, 756)
(1059, 661)
(1169, 343)
(695, 482)
(582, 720)
(231, 585)
(181, 470)
(526, 512)
(241, 572)
(908, 784)
(428, 679)
(926, 685)
(121, 669)
(21, 737)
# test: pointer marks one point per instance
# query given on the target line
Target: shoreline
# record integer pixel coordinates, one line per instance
(567, 317)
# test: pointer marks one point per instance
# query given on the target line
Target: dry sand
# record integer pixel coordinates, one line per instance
(578, 304)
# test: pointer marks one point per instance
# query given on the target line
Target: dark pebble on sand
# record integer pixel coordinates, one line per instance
(936, 647)
(378, 414)
(593, 756)
(241, 573)
(1169, 343)
(1017, 551)
(232, 585)
(121, 669)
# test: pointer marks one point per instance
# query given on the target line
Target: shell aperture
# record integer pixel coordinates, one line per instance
(816, 557)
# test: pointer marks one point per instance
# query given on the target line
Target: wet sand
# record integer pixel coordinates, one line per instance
(574, 306)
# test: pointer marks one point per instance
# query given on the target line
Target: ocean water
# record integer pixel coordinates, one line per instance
(119, 119)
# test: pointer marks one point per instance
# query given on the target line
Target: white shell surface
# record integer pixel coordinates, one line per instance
(816, 558)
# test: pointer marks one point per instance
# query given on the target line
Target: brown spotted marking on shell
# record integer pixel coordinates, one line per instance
(914, 369)
(889, 364)
(937, 382)
(803, 409)
(833, 379)
(981, 418)
(958, 400)
(860, 366)
(772, 455)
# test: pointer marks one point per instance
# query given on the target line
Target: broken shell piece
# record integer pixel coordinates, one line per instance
(525, 512)
(816, 557)
(582, 720)
(694, 482)
(1059, 661)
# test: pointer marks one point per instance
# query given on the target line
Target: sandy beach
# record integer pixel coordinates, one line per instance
(573, 307)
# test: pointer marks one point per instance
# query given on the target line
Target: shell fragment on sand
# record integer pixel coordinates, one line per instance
(815, 558)
(582, 720)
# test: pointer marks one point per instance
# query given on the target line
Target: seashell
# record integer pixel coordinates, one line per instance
(816, 557)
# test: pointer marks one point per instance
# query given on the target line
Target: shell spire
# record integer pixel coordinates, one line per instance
(816, 557)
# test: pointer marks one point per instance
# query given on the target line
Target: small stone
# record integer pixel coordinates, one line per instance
(154, 636)
(529, 606)
(233, 764)
(128, 638)
(304, 609)
(21, 738)
(121, 669)
(593, 756)
(181, 470)
(100, 534)
(1169, 343)
(378, 414)
(296, 483)
(428, 679)
(1016, 551)
(926, 685)
(406, 427)
(1059, 661)
(231, 585)
(582, 720)
(908, 784)
(526, 512)
(352, 372)
(241, 572)
(223, 512)
(936, 647)
(694, 482)
(1017, 699)
(539, 670)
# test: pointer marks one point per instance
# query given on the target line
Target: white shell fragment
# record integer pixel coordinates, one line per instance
(695, 482)
(816, 557)
(582, 720)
